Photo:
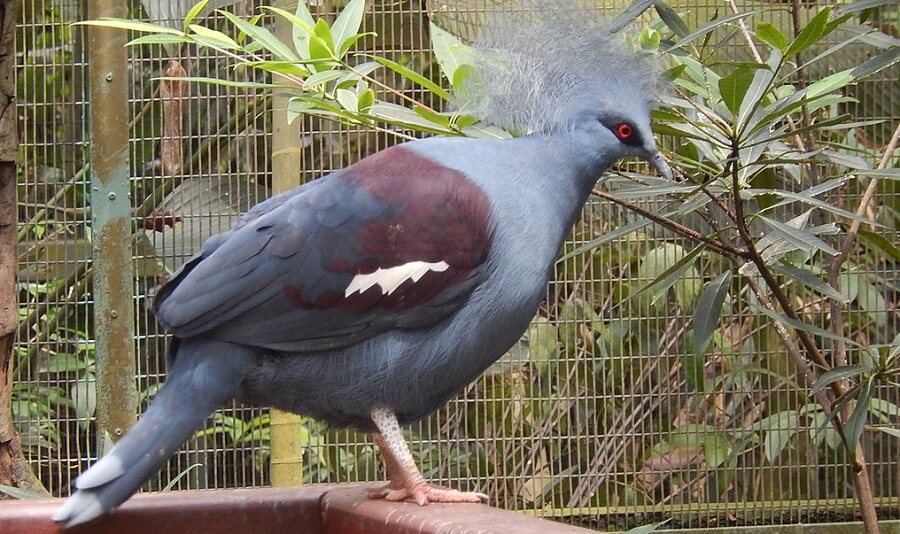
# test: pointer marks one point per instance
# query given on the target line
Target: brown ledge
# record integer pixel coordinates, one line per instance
(307, 510)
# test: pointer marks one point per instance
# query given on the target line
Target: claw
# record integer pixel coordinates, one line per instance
(423, 494)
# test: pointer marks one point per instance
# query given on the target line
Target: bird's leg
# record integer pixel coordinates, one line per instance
(406, 481)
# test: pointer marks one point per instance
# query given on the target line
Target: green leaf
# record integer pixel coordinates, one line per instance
(671, 19)
(800, 239)
(346, 25)
(172, 483)
(706, 315)
(810, 33)
(881, 243)
(543, 342)
(350, 41)
(872, 301)
(413, 76)
(886, 429)
(706, 29)
(756, 92)
(635, 10)
(366, 99)
(399, 115)
(159, 39)
(769, 34)
(348, 100)
(779, 427)
(734, 87)
(192, 14)
(262, 36)
(221, 82)
(646, 529)
(810, 280)
(606, 238)
(838, 373)
(214, 37)
(829, 84)
(800, 325)
(320, 43)
(854, 426)
(302, 25)
(323, 77)
(672, 258)
(24, 494)
(84, 395)
(62, 363)
(281, 67)
(449, 51)
(433, 116)
(133, 25)
(877, 63)
(649, 39)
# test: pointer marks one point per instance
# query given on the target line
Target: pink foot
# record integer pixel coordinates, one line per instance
(424, 493)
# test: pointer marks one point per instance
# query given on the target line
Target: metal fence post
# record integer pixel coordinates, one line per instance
(286, 454)
(111, 225)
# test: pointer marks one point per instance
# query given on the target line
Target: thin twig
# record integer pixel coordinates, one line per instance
(714, 244)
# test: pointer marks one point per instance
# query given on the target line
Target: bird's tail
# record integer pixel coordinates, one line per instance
(203, 376)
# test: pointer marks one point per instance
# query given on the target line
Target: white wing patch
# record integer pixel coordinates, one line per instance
(393, 277)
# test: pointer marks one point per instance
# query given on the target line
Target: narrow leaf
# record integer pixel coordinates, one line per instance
(706, 29)
(159, 39)
(671, 19)
(133, 25)
(886, 429)
(215, 37)
(855, 425)
(800, 325)
(192, 14)
(262, 36)
(734, 87)
(19, 493)
(348, 100)
(319, 78)
(877, 63)
(413, 76)
(838, 373)
(812, 281)
(635, 10)
(706, 315)
(346, 25)
(667, 278)
(762, 81)
(798, 238)
(769, 34)
(810, 33)
(219, 81)
(606, 238)
(449, 51)
(302, 25)
(882, 243)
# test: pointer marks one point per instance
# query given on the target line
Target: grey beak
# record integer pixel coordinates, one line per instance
(659, 163)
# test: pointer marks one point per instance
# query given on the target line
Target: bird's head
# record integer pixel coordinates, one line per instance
(558, 70)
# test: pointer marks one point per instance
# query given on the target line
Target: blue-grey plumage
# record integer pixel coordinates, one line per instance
(375, 294)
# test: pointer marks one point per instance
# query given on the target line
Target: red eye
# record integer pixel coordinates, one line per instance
(624, 131)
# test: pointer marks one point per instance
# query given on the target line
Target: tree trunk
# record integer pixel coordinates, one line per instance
(14, 468)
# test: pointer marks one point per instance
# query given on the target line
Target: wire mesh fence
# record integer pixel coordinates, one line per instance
(590, 418)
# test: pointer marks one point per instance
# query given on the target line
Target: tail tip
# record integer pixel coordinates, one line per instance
(81, 507)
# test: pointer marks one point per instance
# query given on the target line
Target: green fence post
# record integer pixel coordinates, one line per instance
(111, 226)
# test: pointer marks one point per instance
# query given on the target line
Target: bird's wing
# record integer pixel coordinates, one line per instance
(394, 241)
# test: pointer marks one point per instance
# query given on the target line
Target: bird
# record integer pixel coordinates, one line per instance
(371, 296)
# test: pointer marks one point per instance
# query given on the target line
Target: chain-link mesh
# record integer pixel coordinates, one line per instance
(589, 419)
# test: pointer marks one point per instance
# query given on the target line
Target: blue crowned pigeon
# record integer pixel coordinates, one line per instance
(372, 296)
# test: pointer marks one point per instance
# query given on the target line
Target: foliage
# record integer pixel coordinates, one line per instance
(772, 167)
